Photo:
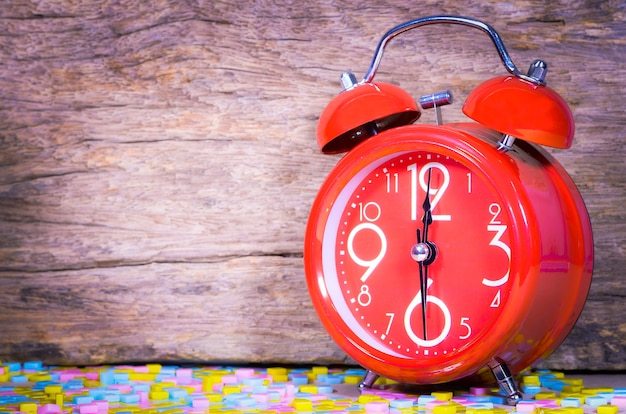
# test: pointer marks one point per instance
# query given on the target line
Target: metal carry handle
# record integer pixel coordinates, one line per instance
(465, 21)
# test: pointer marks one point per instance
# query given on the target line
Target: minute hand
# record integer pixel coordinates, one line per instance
(427, 220)
(428, 217)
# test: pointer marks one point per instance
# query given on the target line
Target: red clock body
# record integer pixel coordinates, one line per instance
(510, 253)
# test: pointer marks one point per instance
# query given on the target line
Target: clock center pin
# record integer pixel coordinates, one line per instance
(424, 252)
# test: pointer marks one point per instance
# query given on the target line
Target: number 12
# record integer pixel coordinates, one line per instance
(437, 192)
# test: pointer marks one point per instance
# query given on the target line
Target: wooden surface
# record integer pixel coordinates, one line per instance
(158, 161)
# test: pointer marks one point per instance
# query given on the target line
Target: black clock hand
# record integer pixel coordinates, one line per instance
(427, 220)
(428, 217)
(422, 290)
(424, 253)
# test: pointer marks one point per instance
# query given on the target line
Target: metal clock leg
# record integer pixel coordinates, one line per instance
(506, 381)
(368, 380)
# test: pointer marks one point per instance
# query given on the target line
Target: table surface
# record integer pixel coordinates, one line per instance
(32, 388)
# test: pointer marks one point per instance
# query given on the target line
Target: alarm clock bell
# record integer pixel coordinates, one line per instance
(519, 106)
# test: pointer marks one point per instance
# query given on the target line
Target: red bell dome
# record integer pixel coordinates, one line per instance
(361, 112)
(525, 110)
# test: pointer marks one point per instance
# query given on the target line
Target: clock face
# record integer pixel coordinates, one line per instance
(371, 257)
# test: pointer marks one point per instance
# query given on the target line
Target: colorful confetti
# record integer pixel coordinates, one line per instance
(32, 388)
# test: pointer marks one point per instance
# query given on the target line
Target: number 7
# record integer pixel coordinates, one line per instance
(390, 316)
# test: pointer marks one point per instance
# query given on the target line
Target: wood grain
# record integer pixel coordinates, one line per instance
(158, 161)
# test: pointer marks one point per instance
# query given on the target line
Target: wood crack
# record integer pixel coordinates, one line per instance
(120, 264)
(31, 178)
(122, 33)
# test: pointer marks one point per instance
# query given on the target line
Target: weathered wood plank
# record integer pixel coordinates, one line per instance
(189, 311)
(158, 161)
(152, 208)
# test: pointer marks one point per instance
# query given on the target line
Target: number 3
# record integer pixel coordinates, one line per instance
(495, 225)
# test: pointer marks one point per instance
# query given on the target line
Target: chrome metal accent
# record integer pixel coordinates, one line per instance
(505, 380)
(348, 80)
(436, 100)
(506, 143)
(420, 252)
(465, 21)
(368, 380)
(538, 71)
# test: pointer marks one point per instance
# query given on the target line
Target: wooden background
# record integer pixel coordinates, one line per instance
(158, 161)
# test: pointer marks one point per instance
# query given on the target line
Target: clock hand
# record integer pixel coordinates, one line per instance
(427, 220)
(424, 252)
(428, 217)
(422, 290)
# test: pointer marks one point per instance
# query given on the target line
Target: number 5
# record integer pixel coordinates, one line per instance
(466, 325)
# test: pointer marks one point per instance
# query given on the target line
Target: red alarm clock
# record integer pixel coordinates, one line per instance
(437, 253)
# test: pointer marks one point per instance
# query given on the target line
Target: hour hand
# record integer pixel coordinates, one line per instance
(428, 217)
(416, 253)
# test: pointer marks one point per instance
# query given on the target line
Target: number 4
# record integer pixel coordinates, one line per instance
(495, 303)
